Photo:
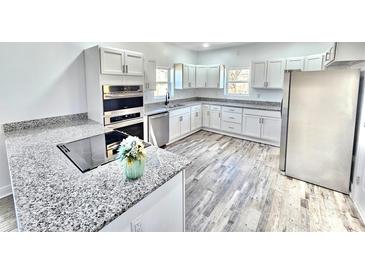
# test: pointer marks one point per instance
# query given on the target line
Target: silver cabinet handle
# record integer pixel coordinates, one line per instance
(231, 117)
(181, 118)
(196, 114)
(219, 115)
(231, 127)
(123, 70)
(327, 56)
(126, 68)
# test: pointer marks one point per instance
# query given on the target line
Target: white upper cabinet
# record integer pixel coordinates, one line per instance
(294, 63)
(313, 62)
(198, 76)
(345, 53)
(201, 77)
(133, 62)
(191, 76)
(275, 74)
(267, 74)
(111, 61)
(150, 75)
(258, 74)
(184, 75)
(121, 62)
(213, 77)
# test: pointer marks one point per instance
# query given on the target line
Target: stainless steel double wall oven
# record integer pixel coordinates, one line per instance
(123, 109)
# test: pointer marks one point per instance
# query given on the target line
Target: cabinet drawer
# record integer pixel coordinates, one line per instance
(180, 111)
(232, 109)
(232, 117)
(260, 112)
(196, 108)
(231, 127)
(215, 108)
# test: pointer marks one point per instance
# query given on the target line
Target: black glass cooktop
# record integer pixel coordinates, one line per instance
(94, 151)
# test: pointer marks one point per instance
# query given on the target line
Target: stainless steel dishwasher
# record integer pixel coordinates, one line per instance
(158, 129)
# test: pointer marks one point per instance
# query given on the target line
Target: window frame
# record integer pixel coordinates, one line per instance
(168, 81)
(227, 82)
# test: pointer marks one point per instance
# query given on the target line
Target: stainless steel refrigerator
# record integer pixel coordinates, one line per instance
(318, 126)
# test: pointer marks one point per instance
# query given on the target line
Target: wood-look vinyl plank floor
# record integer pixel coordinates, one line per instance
(236, 185)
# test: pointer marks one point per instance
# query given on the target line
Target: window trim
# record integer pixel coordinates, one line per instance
(226, 82)
(168, 81)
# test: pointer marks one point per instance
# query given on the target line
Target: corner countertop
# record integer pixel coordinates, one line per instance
(51, 194)
(155, 108)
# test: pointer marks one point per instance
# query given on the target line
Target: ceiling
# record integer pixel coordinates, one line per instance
(198, 46)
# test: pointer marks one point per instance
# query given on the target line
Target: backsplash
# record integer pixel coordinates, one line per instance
(255, 95)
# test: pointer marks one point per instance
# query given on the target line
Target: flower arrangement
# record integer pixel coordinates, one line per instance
(132, 155)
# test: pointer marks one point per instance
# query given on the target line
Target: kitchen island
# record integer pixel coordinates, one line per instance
(51, 194)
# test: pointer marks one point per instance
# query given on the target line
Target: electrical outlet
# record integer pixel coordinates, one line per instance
(137, 225)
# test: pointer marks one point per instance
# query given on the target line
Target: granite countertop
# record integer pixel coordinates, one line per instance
(155, 108)
(51, 194)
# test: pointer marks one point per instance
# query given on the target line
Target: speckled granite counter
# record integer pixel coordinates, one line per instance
(51, 194)
(156, 108)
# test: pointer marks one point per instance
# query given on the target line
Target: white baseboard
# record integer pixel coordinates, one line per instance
(359, 210)
(5, 191)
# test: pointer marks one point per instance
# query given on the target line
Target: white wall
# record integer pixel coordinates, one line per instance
(39, 80)
(243, 55)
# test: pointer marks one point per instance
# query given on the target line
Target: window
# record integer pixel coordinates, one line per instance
(237, 81)
(162, 82)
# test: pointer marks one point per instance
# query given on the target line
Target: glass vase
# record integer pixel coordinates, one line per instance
(133, 169)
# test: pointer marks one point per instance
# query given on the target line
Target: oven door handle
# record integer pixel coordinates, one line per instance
(125, 123)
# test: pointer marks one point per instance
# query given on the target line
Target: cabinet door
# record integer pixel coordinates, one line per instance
(133, 62)
(252, 126)
(271, 128)
(185, 123)
(185, 76)
(201, 77)
(313, 62)
(215, 119)
(295, 63)
(275, 74)
(206, 114)
(174, 127)
(191, 72)
(150, 75)
(258, 74)
(196, 119)
(213, 77)
(111, 61)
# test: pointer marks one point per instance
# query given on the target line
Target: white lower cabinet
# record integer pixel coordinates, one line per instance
(231, 127)
(206, 114)
(196, 117)
(185, 123)
(174, 127)
(179, 123)
(215, 119)
(271, 129)
(264, 128)
(252, 126)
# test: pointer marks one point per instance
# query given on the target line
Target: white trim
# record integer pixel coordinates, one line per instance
(359, 210)
(5, 191)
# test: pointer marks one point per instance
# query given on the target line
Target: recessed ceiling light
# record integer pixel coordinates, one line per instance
(206, 45)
